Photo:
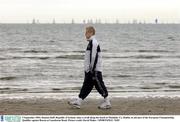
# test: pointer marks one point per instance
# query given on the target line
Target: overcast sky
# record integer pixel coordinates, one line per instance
(22, 11)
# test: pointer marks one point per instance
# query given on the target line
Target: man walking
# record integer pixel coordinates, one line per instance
(93, 72)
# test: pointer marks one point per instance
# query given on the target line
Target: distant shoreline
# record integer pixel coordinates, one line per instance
(93, 95)
(90, 24)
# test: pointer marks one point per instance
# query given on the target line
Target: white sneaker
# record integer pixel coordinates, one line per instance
(105, 104)
(76, 103)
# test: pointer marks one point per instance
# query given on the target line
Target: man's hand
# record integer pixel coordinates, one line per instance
(90, 68)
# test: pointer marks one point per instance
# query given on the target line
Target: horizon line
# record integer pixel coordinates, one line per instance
(91, 23)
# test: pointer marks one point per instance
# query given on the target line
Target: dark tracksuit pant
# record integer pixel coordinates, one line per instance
(91, 80)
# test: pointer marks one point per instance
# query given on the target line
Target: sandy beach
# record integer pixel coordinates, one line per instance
(120, 106)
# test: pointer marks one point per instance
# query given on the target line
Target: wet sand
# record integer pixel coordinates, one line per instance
(120, 106)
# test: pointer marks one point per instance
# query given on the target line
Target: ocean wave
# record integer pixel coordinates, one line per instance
(156, 51)
(151, 51)
(146, 57)
(120, 76)
(67, 88)
(80, 51)
(115, 89)
(81, 57)
(171, 38)
(35, 51)
(161, 83)
(71, 56)
(12, 90)
(3, 58)
(8, 78)
(7, 88)
(75, 57)
(174, 86)
(150, 87)
(43, 58)
(136, 57)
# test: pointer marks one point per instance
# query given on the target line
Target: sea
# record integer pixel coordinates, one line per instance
(47, 60)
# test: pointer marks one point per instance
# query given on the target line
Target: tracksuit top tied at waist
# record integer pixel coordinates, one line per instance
(93, 58)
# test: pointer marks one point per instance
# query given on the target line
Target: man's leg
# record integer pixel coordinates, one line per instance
(87, 86)
(85, 90)
(99, 84)
(101, 88)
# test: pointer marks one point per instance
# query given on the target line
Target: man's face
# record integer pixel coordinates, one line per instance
(88, 34)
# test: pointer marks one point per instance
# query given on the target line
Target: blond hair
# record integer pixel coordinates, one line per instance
(91, 29)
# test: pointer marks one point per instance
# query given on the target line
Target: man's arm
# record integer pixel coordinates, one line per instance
(93, 54)
(87, 57)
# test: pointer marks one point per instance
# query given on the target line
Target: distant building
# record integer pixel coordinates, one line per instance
(54, 21)
(37, 21)
(99, 21)
(117, 21)
(134, 21)
(156, 21)
(33, 21)
(84, 21)
(90, 21)
(144, 22)
(72, 22)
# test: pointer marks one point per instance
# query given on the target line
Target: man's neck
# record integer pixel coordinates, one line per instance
(91, 38)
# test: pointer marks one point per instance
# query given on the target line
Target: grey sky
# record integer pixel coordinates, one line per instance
(18, 11)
